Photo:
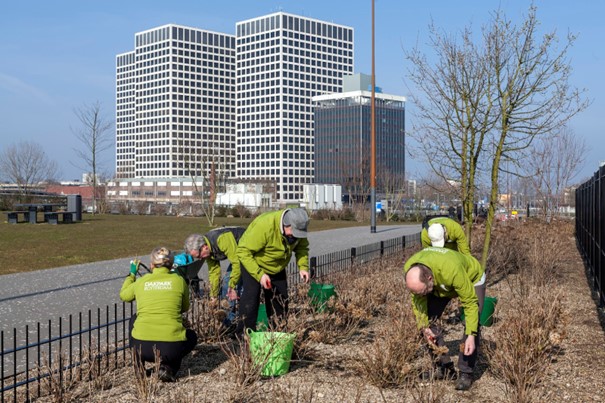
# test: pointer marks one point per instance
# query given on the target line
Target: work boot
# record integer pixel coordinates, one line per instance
(465, 381)
(166, 375)
(427, 375)
(439, 372)
(446, 371)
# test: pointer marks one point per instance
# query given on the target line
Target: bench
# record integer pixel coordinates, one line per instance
(52, 217)
(13, 216)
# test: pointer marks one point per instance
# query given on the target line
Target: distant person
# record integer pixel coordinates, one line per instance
(161, 298)
(434, 276)
(443, 232)
(264, 252)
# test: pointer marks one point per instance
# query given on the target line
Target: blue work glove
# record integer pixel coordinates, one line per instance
(134, 266)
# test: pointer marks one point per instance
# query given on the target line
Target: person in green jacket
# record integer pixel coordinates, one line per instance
(188, 263)
(444, 232)
(161, 298)
(264, 252)
(220, 244)
(434, 276)
(216, 245)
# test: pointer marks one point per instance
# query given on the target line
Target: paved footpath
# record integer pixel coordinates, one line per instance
(28, 298)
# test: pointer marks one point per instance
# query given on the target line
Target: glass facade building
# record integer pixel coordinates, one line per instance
(343, 140)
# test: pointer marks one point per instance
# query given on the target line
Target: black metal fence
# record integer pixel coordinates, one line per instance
(93, 342)
(590, 227)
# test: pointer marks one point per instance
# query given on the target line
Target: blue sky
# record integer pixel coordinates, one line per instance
(58, 55)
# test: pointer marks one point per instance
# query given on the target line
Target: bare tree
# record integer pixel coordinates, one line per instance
(209, 176)
(354, 177)
(531, 90)
(455, 114)
(26, 164)
(394, 188)
(95, 136)
(486, 103)
(555, 163)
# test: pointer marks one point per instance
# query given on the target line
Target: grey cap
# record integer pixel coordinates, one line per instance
(298, 219)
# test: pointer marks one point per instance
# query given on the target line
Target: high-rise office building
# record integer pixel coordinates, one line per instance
(343, 138)
(175, 104)
(283, 60)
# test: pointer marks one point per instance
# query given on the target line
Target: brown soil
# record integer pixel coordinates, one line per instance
(333, 375)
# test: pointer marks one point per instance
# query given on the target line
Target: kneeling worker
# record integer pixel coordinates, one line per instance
(161, 298)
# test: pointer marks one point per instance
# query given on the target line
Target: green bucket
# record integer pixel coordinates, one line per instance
(320, 294)
(487, 315)
(262, 321)
(272, 351)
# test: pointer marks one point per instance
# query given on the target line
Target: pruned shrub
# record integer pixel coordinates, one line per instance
(389, 360)
(526, 341)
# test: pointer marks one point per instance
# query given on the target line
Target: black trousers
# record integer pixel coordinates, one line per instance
(276, 299)
(171, 353)
(436, 306)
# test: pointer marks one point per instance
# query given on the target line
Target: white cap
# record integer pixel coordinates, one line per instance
(437, 235)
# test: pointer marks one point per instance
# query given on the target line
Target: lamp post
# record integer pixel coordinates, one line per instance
(373, 140)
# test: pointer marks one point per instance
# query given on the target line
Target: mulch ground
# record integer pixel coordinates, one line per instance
(577, 374)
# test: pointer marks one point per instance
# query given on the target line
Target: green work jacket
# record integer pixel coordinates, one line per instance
(456, 239)
(223, 245)
(161, 297)
(263, 249)
(454, 275)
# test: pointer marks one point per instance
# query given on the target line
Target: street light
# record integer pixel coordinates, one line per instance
(373, 140)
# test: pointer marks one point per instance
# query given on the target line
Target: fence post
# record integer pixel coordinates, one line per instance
(353, 255)
(381, 248)
(313, 267)
(403, 243)
(2, 363)
(26, 365)
(14, 361)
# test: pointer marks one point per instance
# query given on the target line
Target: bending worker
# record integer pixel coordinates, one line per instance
(444, 232)
(434, 276)
(214, 246)
(220, 244)
(264, 252)
(158, 325)
(192, 252)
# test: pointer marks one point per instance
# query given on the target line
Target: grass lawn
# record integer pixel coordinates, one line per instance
(27, 247)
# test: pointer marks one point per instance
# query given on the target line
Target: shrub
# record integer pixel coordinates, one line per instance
(527, 339)
(324, 214)
(159, 209)
(389, 360)
(239, 210)
(347, 214)
(221, 211)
